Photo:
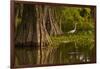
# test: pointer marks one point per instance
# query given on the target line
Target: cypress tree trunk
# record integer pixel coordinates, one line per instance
(37, 25)
(55, 29)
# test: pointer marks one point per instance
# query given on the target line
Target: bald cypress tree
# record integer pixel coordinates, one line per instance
(37, 24)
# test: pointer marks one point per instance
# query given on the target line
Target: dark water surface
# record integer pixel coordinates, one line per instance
(64, 53)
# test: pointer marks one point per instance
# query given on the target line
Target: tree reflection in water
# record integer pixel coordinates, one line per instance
(65, 53)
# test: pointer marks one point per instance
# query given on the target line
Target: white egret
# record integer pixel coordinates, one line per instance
(72, 31)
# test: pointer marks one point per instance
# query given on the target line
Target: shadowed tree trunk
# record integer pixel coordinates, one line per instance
(26, 38)
(36, 27)
(34, 23)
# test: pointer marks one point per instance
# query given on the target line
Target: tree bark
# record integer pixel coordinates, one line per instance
(33, 29)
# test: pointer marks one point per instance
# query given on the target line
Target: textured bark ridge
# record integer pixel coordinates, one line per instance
(37, 23)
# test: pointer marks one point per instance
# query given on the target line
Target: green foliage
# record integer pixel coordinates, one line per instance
(81, 16)
(85, 40)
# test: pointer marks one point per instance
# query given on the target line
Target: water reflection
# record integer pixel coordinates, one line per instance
(64, 53)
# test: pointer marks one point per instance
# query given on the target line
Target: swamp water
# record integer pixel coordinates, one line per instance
(64, 53)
